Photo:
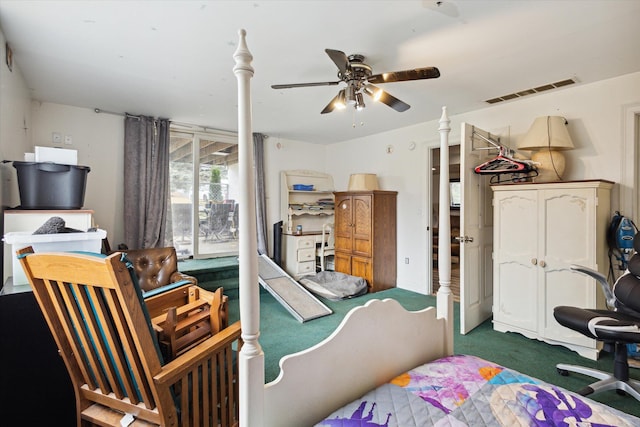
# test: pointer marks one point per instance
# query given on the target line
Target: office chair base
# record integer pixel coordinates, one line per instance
(607, 381)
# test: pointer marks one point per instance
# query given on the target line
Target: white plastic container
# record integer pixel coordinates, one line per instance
(62, 156)
(91, 241)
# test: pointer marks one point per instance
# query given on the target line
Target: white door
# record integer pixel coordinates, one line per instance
(476, 234)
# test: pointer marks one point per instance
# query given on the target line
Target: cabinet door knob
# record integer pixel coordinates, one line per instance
(534, 261)
(543, 264)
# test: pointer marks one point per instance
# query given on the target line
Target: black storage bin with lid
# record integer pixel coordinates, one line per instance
(46, 185)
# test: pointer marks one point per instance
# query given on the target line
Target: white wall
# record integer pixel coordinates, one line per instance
(595, 114)
(99, 139)
(282, 154)
(15, 124)
(402, 170)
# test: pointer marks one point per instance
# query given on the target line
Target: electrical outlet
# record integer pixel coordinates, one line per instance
(56, 138)
(68, 140)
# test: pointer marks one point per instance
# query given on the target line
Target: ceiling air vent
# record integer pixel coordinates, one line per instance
(530, 91)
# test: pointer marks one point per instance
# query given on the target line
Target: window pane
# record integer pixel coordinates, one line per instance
(213, 207)
(218, 212)
(181, 186)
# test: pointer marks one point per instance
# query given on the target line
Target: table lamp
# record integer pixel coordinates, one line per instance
(548, 137)
(363, 182)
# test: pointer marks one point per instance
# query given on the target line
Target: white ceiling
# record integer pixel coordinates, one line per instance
(174, 59)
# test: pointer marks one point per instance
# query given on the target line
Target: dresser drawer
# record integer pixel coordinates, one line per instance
(308, 267)
(306, 242)
(306, 254)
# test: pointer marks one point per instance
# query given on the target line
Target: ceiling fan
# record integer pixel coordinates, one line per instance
(360, 79)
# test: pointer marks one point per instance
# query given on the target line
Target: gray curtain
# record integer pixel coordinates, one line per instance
(146, 181)
(261, 198)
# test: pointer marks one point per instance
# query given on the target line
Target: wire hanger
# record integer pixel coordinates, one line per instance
(504, 163)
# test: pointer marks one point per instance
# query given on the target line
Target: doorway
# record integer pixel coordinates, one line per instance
(454, 180)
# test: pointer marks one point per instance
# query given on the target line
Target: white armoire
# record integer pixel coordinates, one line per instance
(540, 230)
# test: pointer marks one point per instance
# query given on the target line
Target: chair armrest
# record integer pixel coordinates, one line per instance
(173, 371)
(184, 379)
(600, 278)
(177, 276)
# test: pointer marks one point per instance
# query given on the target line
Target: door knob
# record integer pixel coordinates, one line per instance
(464, 239)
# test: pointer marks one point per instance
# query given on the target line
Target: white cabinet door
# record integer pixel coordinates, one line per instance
(567, 236)
(515, 270)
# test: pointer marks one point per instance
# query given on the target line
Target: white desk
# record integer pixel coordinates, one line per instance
(300, 253)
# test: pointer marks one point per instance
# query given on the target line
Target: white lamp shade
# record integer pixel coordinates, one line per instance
(547, 132)
(363, 182)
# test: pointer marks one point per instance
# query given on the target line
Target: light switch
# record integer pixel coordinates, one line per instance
(56, 138)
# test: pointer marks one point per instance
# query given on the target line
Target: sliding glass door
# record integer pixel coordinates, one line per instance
(203, 217)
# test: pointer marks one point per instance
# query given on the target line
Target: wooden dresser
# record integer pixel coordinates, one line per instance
(365, 236)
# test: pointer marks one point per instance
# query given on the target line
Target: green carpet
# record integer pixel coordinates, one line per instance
(193, 266)
(214, 272)
(281, 334)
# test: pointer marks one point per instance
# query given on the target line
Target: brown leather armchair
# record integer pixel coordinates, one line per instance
(157, 267)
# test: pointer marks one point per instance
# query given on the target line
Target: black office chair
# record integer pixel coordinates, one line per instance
(616, 327)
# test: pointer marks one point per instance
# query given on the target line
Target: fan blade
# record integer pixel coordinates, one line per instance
(336, 102)
(403, 76)
(287, 86)
(330, 106)
(386, 98)
(338, 58)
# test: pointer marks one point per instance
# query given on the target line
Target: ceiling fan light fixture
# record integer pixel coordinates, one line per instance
(340, 103)
(373, 92)
(350, 94)
(359, 102)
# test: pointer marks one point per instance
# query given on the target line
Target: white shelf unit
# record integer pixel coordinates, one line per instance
(308, 210)
(304, 208)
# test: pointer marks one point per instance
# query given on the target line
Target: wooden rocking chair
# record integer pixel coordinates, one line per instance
(94, 309)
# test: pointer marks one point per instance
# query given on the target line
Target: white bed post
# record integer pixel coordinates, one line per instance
(251, 362)
(445, 297)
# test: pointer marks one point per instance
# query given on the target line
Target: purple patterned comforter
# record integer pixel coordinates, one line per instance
(469, 391)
